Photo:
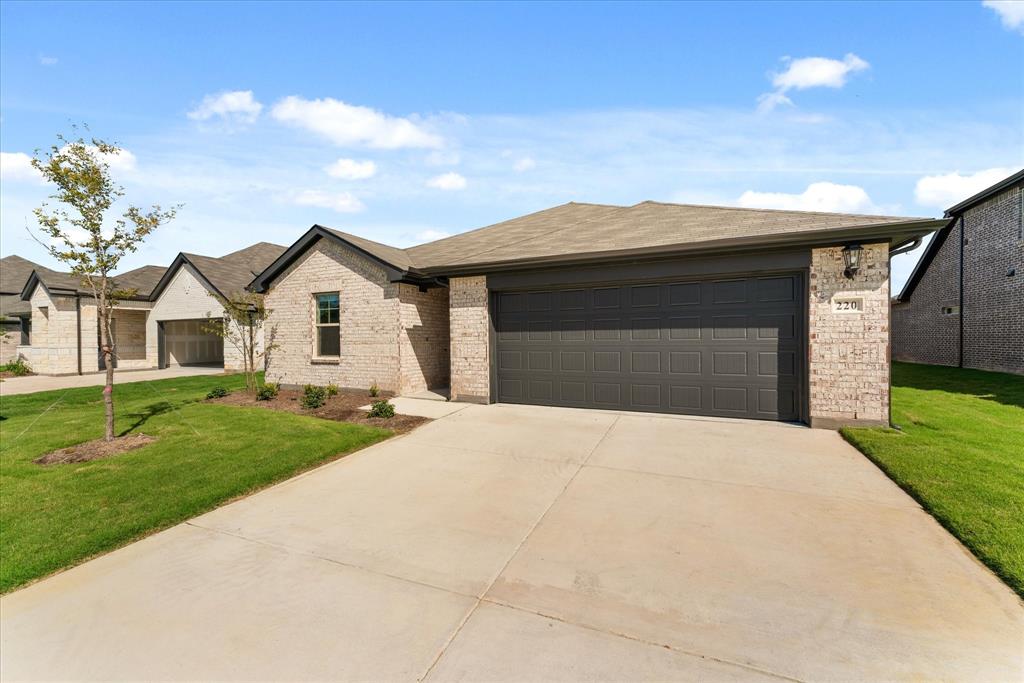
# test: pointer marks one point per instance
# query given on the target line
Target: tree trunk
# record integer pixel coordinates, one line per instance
(252, 355)
(106, 346)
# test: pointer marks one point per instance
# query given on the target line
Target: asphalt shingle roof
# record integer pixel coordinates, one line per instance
(577, 229)
(232, 272)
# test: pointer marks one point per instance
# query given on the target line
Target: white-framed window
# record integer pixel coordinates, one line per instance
(950, 310)
(328, 325)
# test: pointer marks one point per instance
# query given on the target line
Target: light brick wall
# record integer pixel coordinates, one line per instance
(423, 340)
(369, 321)
(55, 335)
(470, 339)
(10, 339)
(849, 352)
(130, 338)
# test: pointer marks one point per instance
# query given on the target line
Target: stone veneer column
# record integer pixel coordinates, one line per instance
(470, 339)
(849, 352)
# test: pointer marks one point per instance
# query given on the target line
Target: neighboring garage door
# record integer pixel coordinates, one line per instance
(728, 347)
(186, 343)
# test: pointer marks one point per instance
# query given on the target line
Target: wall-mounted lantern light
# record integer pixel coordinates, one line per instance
(851, 257)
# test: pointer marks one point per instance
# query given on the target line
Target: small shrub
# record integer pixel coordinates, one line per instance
(381, 409)
(267, 392)
(332, 389)
(313, 397)
(17, 367)
(217, 392)
(374, 390)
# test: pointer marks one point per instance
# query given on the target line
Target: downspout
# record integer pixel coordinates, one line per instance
(960, 288)
(78, 328)
(905, 247)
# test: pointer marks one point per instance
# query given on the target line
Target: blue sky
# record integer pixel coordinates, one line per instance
(405, 122)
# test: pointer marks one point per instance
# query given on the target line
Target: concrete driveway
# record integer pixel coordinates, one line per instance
(522, 543)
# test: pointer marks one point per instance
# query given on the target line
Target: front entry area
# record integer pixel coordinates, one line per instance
(186, 342)
(728, 347)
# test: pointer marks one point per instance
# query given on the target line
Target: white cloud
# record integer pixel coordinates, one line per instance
(350, 169)
(766, 102)
(351, 125)
(809, 72)
(47, 61)
(524, 164)
(342, 202)
(822, 196)
(122, 161)
(818, 72)
(447, 181)
(429, 235)
(17, 167)
(234, 106)
(943, 191)
(1011, 12)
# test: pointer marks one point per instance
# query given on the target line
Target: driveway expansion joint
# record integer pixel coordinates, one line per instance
(349, 565)
(635, 639)
(515, 551)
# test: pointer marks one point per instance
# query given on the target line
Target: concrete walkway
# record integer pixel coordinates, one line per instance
(522, 543)
(27, 385)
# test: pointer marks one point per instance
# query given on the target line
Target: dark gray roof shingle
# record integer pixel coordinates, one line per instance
(232, 272)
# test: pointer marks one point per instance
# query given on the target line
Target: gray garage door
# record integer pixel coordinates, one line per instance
(187, 342)
(727, 347)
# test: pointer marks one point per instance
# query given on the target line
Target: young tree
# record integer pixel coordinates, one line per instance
(78, 237)
(242, 326)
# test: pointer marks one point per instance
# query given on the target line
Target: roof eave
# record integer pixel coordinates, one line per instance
(957, 209)
(395, 273)
(181, 260)
(889, 232)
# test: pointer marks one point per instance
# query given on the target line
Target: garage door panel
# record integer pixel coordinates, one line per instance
(187, 342)
(720, 347)
(572, 361)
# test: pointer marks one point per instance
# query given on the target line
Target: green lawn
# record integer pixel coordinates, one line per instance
(961, 455)
(57, 516)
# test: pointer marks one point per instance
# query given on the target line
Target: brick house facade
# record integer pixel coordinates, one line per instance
(392, 334)
(799, 331)
(166, 320)
(964, 304)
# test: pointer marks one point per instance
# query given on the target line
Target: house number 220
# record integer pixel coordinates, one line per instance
(848, 305)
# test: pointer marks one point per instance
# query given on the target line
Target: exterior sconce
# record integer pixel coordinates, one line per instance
(851, 257)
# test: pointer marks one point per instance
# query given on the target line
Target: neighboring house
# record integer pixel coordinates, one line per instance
(65, 322)
(964, 303)
(186, 298)
(163, 323)
(15, 314)
(654, 307)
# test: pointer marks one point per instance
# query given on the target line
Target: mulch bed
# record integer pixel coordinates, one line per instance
(94, 450)
(7, 374)
(345, 407)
